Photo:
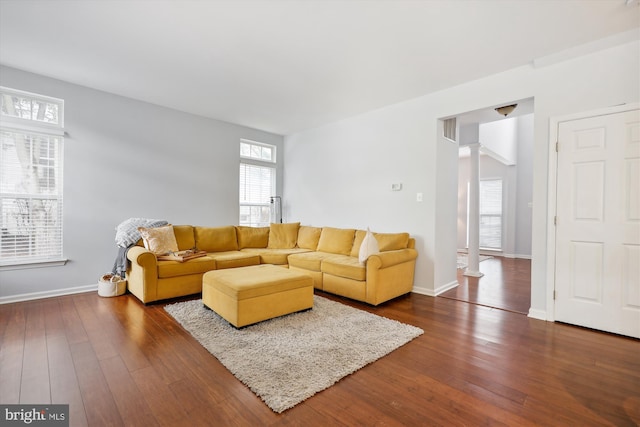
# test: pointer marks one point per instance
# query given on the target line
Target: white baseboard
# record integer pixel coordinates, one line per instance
(498, 253)
(423, 291)
(446, 287)
(519, 256)
(537, 314)
(48, 294)
(438, 291)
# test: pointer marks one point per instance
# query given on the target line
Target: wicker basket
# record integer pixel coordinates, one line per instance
(111, 285)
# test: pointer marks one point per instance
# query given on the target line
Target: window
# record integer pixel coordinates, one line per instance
(491, 214)
(449, 129)
(257, 182)
(257, 151)
(31, 147)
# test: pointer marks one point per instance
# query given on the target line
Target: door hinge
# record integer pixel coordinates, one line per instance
(555, 220)
(554, 295)
(557, 146)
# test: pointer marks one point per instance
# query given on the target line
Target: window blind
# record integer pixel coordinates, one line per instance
(491, 214)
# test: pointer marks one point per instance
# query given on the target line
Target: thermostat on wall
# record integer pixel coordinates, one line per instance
(396, 187)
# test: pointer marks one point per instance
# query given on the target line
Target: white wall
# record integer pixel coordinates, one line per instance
(125, 158)
(340, 174)
(499, 137)
(524, 191)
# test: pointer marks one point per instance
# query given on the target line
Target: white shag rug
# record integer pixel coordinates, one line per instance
(463, 260)
(289, 359)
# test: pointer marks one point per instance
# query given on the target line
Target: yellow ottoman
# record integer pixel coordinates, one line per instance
(247, 295)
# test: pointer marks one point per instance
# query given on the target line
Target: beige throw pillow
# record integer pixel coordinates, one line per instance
(159, 240)
(369, 247)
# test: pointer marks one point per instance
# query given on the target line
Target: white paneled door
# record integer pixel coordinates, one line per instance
(597, 272)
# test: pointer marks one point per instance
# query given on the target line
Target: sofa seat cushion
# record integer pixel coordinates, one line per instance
(309, 260)
(344, 266)
(193, 266)
(274, 256)
(233, 259)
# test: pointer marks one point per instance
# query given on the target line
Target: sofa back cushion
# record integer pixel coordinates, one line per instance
(184, 236)
(336, 240)
(283, 236)
(308, 237)
(357, 242)
(392, 241)
(252, 237)
(216, 239)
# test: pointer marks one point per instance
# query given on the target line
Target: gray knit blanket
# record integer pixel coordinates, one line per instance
(127, 235)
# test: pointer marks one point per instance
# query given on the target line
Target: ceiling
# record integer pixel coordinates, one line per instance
(284, 65)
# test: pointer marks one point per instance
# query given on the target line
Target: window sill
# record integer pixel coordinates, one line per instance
(37, 264)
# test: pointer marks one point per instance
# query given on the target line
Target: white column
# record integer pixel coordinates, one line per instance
(473, 268)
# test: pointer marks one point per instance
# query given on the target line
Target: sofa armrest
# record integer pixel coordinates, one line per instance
(142, 274)
(390, 258)
(390, 274)
(142, 257)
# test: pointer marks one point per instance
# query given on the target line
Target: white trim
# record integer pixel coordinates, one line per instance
(446, 287)
(588, 48)
(48, 294)
(537, 314)
(438, 291)
(554, 124)
(31, 95)
(34, 264)
(518, 256)
(471, 273)
(488, 152)
(46, 130)
(423, 291)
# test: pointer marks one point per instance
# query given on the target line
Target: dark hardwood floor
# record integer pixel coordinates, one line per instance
(506, 284)
(117, 362)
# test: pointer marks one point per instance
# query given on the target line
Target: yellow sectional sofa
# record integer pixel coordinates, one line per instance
(329, 255)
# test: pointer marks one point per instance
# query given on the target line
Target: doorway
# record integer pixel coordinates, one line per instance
(506, 147)
(506, 285)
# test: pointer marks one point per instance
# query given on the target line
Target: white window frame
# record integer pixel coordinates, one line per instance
(31, 129)
(492, 215)
(260, 162)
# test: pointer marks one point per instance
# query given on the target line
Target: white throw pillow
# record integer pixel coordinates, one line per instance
(369, 247)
